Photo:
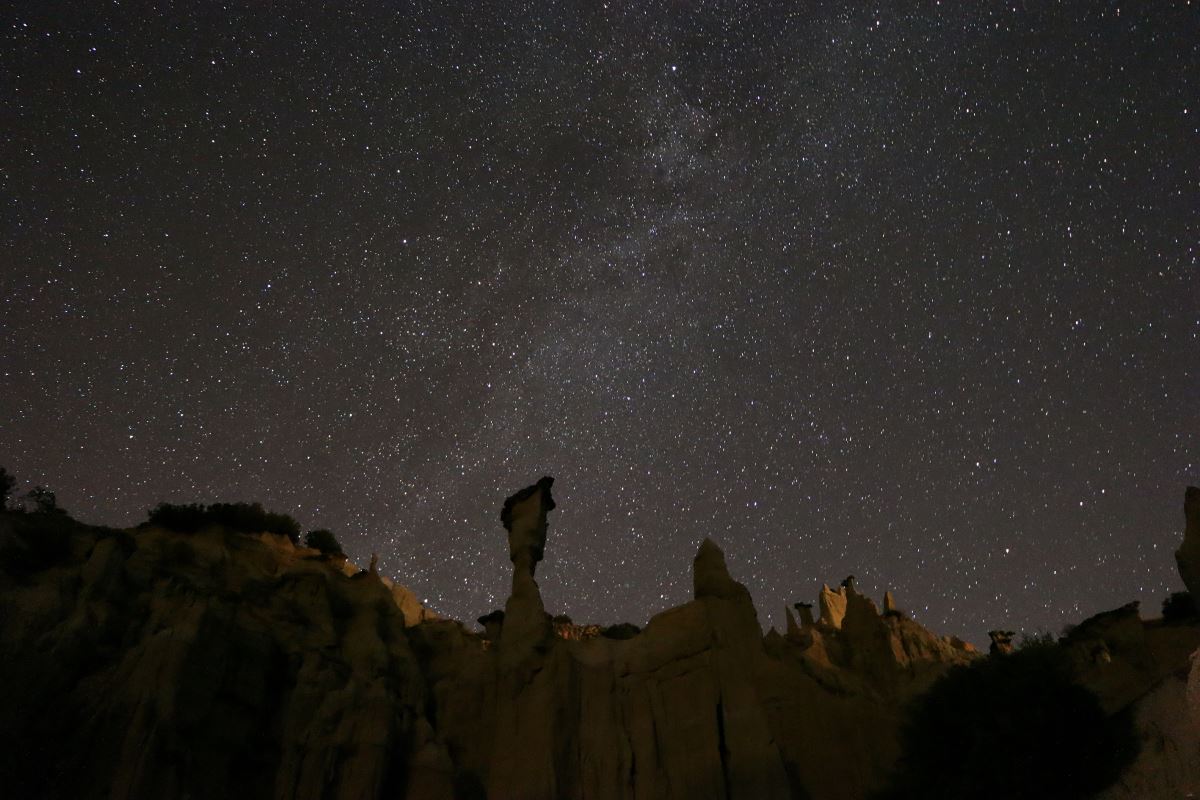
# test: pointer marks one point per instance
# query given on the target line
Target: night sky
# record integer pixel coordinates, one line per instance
(907, 291)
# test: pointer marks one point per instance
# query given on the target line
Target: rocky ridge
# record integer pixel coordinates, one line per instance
(154, 664)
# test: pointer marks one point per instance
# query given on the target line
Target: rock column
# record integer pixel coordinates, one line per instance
(526, 625)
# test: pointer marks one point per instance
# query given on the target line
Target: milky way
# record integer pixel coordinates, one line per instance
(850, 289)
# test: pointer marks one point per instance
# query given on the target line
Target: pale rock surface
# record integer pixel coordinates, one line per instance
(1168, 721)
(833, 605)
(1152, 669)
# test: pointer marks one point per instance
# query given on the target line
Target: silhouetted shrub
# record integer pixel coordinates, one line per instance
(7, 482)
(1015, 725)
(243, 517)
(622, 630)
(1178, 606)
(42, 541)
(1036, 639)
(179, 518)
(44, 501)
(324, 541)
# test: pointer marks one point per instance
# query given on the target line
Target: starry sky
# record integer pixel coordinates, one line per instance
(903, 290)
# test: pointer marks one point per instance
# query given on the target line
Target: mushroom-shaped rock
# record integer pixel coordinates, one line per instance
(804, 611)
(492, 624)
(524, 517)
(526, 625)
(792, 628)
(1187, 557)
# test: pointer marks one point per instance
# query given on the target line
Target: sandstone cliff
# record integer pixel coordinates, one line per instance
(210, 665)
(151, 664)
(697, 705)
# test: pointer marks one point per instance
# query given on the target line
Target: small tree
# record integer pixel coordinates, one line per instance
(44, 501)
(1178, 606)
(1013, 725)
(324, 541)
(243, 517)
(7, 482)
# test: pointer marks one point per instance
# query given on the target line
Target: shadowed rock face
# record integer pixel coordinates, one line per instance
(1187, 557)
(524, 517)
(204, 665)
(157, 665)
(526, 624)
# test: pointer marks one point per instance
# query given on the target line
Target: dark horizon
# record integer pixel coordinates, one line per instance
(909, 296)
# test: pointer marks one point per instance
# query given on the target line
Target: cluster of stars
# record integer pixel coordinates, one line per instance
(908, 294)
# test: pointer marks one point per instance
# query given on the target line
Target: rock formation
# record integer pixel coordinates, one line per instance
(833, 605)
(804, 610)
(1187, 557)
(696, 705)
(204, 665)
(889, 603)
(161, 665)
(526, 625)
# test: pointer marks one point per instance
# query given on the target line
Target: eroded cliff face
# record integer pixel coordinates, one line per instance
(152, 664)
(209, 665)
(698, 705)
(1187, 557)
(1151, 669)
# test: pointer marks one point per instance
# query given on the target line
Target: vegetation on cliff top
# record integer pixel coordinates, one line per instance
(242, 517)
(324, 541)
(1015, 725)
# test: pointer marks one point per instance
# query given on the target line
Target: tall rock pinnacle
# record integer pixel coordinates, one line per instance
(526, 625)
(524, 517)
